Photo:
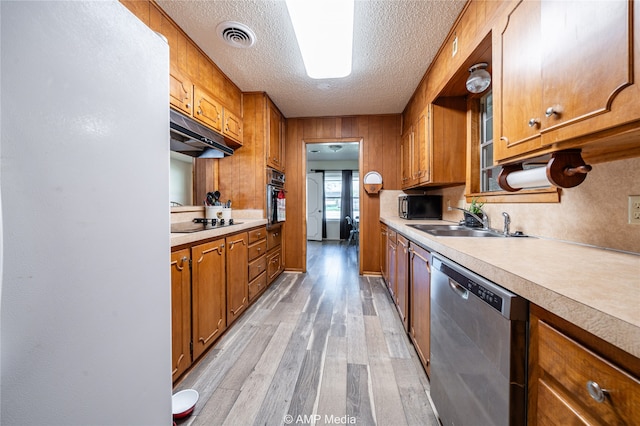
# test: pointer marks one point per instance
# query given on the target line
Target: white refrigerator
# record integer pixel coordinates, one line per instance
(85, 313)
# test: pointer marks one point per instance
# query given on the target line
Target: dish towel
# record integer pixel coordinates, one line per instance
(281, 211)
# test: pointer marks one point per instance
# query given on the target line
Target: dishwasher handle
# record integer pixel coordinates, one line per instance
(458, 289)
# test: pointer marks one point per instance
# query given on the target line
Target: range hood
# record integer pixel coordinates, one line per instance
(191, 138)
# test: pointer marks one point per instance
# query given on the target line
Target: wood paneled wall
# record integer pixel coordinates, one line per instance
(379, 137)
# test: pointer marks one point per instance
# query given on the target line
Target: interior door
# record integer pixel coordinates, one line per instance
(314, 206)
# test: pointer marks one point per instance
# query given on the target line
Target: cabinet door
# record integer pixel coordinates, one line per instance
(519, 112)
(422, 148)
(587, 58)
(391, 264)
(402, 279)
(180, 92)
(420, 296)
(274, 144)
(208, 301)
(232, 126)
(406, 158)
(237, 275)
(274, 264)
(206, 109)
(180, 312)
(383, 252)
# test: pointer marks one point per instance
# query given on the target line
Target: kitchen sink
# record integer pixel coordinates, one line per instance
(455, 231)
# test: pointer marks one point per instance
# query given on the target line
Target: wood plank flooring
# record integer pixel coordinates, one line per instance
(325, 347)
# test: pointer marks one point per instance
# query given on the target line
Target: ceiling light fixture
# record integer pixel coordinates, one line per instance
(324, 30)
(335, 148)
(479, 79)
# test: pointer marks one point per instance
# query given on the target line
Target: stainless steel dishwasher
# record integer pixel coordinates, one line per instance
(478, 349)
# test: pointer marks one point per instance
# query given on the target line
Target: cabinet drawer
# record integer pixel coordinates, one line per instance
(257, 249)
(274, 238)
(391, 236)
(573, 366)
(274, 264)
(257, 286)
(257, 234)
(257, 267)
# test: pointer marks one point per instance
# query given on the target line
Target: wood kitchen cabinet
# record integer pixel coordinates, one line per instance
(257, 262)
(569, 368)
(391, 262)
(237, 275)
(402, 280)
(208, 294)
(180, 312)
(420, 298)
(206, 109)
(564, 76)
(275, 264)
(383, 252)
(180, 92)
(433, 150)
(232, 126)
(275, 144)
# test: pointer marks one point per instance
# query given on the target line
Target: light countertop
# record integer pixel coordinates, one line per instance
(595, 289)
(178, 239)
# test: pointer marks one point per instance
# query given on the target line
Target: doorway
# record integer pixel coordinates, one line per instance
(333, 189)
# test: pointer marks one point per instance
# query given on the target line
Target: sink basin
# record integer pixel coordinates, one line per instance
(455, 231)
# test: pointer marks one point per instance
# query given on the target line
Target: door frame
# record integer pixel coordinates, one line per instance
(305, 142)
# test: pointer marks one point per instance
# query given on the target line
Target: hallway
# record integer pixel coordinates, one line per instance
(325, 347)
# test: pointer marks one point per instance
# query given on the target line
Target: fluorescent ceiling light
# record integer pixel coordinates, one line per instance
(324, 29)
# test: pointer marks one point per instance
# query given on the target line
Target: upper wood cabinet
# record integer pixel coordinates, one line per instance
(197, 87)
(207, 109)
(563, 75)
(275, 143)
(433, 149)
(520, 93)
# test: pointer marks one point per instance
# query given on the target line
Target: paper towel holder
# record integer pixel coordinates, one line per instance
(565, 169)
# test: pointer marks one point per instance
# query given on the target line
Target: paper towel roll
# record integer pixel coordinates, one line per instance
(529, 178)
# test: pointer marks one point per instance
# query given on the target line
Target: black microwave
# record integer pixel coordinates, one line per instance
(413, 206)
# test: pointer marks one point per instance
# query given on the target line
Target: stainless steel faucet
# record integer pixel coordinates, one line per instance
(507, 222)
(484, 219)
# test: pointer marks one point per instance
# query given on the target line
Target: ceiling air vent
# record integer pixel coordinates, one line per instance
(236, 34)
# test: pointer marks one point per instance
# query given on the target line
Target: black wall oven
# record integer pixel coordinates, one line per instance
(276, 200)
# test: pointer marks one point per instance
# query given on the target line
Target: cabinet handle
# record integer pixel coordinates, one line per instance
(188, 106)
(597, 393)
(199, 112)
(553, 110)
(534, 122)
(504, 138)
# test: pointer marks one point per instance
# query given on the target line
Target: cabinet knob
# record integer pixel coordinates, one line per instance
(199, 112)
(553, 110)
(534, 122)
(188, 106)
(597, 393)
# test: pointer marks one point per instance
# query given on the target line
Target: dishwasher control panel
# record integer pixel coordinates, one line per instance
(492, 299)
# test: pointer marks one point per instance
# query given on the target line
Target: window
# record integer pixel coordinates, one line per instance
(482, 182)
(488, 172)
(333, 194)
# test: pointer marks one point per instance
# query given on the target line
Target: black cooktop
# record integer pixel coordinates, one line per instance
(200, 224)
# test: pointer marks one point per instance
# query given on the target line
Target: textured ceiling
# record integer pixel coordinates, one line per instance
(394, 43)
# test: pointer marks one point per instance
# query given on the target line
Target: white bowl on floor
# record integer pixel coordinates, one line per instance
(183, 403)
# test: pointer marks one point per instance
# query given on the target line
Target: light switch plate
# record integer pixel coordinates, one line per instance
(634, 209)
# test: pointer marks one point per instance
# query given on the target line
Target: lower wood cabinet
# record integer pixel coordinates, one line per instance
(420, 299)
(212, 284)
(208, 294)
(577, 379)
(237, 275)
(391, 262)
(383, 252)
(275, 265)
(180, 312)
(402, 279)
(257, 262)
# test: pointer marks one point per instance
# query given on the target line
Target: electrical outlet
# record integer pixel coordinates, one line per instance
(634, 209)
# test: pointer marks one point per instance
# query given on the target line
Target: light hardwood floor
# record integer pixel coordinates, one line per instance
(325, 347)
